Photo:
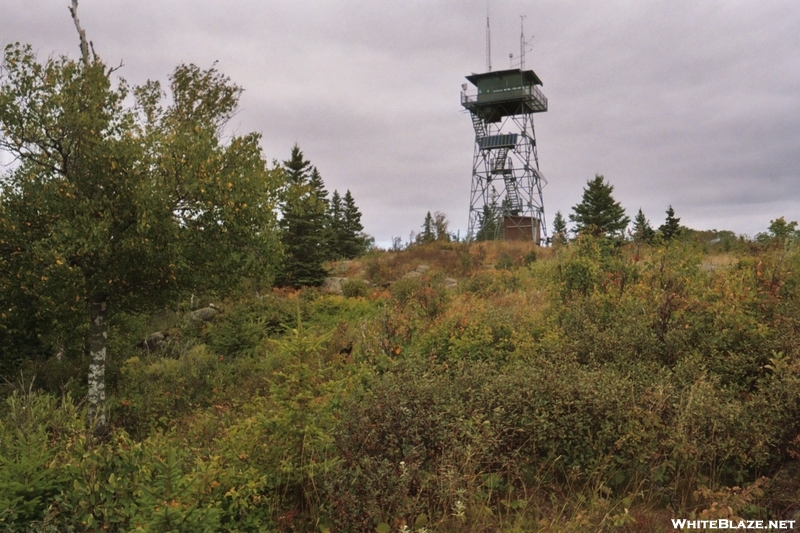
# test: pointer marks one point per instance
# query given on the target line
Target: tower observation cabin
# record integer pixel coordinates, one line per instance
(506, 194)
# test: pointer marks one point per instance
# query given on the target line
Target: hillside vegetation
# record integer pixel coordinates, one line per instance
(593, 386)
(193, 339)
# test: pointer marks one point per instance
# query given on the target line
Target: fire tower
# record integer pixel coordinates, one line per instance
(506, 197)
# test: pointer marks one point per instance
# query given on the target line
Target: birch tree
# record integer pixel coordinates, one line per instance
(111, 208)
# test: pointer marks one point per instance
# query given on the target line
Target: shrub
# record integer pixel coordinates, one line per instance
(355, 288)
(504, 262)
(489, 283)
(529, 258)
(34, 432)
(426, 296)
(607, 378)
(154, 392)
(477, 329)
(239, 330)
(426, 435)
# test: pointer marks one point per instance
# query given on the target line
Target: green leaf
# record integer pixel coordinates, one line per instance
(383, 527)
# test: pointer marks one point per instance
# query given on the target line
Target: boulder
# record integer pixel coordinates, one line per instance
(204, 314)
(154, 342)
(419, 271)
(333, 285)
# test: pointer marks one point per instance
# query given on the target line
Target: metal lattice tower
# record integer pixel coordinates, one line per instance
(506, 196)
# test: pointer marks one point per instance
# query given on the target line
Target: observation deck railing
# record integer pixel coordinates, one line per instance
(531, 94)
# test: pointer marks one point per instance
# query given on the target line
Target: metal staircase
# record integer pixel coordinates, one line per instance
(479, 125)
(512, 193)
(499, 161)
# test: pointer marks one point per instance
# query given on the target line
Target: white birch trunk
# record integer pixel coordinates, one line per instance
(98, 309)
(97, 369)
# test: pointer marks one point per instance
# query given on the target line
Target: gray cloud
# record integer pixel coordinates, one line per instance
(693, 104)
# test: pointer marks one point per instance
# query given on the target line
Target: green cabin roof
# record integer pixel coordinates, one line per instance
(529, 77)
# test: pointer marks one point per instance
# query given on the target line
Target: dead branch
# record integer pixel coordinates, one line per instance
(73, 9)
(112, 70)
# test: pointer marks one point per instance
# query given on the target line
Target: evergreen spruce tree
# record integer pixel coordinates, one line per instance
(598, 213)
(352, 238)
(671, 227)
(317, 188)
(642, 230)
(559, 229)
(488, 224)
(335, 240)
(318, 192)
(428, 234)
(298, 169)
(303, 226)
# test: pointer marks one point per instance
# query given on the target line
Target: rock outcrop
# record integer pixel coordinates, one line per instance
(333, 285)
(204, 314)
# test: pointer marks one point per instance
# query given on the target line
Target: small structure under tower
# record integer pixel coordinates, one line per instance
(506, 196)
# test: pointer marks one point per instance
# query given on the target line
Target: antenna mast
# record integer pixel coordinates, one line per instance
(488, 45)
(522, 43)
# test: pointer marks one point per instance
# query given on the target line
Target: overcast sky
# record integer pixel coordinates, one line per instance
(690, 103)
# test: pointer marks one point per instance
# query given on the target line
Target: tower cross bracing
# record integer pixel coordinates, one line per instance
(506, 194)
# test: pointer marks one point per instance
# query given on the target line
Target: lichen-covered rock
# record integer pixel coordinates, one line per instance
(333, 285)
(154, 342)
(205, 314)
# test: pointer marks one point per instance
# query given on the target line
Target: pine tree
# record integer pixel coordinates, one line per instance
(298, 169)
(354, 241)
(598, 213)
(320, 195)
(334, 237)
(428, 234)
(317, 188)
(489, 224)
(642, 230)
(559, 229)
(303, 224)
(671, 227)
